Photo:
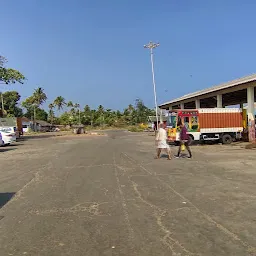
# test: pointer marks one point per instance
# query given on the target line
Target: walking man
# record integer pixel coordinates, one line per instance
(184, 140)
(161, 142)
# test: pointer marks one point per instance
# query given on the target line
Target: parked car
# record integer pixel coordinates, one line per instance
(1, 140)
(8, 138)
(11, 129)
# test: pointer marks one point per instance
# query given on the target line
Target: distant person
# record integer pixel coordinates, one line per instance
(161, 142)
(184, 137)
(153, 126)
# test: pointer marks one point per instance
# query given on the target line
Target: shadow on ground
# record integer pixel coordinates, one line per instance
(5, 198)
(4, 149)
(43, 136)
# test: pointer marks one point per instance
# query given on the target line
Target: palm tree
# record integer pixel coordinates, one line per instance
(130, 108)
(39, 96)
(51, 106)
(51, 112)
(100, 109)
(87, 109)
(77, 106)
(70, 104)
(59, 102)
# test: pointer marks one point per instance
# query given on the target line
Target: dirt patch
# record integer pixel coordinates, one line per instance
(251, 146)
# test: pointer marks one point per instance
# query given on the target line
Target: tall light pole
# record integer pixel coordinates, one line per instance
(152, 46)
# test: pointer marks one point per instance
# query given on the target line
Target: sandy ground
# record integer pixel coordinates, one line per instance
(106, 195)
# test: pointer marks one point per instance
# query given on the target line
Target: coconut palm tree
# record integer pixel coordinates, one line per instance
(51, 106)
(51, 112)
(77, 106)
(59, 102)
(70, 104)
(87, 109)
(100, 109)
(39, 96)
(37, 99)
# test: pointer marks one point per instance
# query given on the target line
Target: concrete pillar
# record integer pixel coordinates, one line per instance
(219, 101)
(182, 105)
(198, 104)
(250, 113)
(170, 108)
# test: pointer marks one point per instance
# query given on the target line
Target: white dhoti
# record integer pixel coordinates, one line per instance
(162, 144)
(161, 139)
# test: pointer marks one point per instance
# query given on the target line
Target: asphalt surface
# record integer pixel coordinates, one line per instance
(106, 195)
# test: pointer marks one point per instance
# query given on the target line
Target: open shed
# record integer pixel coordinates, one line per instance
(237, 92)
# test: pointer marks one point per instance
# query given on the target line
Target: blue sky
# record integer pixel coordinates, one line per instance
(91, 52)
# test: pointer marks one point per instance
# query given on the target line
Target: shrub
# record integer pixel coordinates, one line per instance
(135, 129)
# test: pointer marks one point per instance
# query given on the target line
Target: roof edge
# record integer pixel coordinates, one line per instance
(222, 86)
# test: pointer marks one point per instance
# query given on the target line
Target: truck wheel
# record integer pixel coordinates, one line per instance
(227, 139)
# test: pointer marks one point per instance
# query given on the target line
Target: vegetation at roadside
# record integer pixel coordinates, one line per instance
(9, 100)
(71, 113)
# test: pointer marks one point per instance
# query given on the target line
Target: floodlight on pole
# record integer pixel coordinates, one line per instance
(152, 46)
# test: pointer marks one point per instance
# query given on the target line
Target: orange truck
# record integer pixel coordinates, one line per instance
(207, 124)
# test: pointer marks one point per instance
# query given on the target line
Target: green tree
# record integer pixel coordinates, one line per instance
(70, 104)
(8, 76)
(86, 115)
(87, 109)
(51, 115)
(40, 114)
(141, 112)
(66, 118)
(10, 100)
(32, 109)
(59, 102)
(100, 109)
(33, 103)
(78, 112)
(39, 96)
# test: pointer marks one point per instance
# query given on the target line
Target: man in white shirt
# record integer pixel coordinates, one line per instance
(161, 142)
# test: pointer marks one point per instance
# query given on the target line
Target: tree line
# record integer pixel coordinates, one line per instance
(73, 113)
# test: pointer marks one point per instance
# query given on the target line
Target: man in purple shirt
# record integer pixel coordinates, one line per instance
(184, 137)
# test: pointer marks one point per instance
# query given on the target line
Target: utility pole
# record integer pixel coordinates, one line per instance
(152, 46)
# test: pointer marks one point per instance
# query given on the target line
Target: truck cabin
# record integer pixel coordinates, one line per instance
(190, 118)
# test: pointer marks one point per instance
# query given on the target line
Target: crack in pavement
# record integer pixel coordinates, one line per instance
(87, 166)
(37, 178)
(124, 206)
(167, 240)
(250, 249)
(90, 207)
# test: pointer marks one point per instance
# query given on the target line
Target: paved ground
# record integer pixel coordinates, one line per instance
(101, 196)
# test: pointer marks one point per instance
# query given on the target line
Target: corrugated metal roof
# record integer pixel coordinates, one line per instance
(229, 84)
(43, 123)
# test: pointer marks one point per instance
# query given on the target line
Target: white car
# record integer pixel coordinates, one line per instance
(1, 141)
(8, 137)
(12, 129)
